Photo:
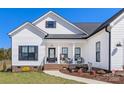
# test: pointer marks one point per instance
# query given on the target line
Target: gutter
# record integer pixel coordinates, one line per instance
(109, 65)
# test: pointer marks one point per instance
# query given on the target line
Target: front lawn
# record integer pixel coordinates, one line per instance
(32, 78)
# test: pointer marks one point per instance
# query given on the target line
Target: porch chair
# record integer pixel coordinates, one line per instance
(68, 60)
(65, 60)
(80, 60)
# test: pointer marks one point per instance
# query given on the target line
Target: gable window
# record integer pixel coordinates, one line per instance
(65, 52)
(77, 52)
(98, 45)
(50, 24)
(28, 52)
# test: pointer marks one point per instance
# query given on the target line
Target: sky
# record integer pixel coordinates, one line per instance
(11, 18)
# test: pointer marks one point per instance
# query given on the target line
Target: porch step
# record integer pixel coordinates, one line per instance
(54, 66)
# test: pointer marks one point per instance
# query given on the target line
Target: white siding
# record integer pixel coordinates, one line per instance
(27, 37)
(90, 49)
(117, 35)
(61, 27)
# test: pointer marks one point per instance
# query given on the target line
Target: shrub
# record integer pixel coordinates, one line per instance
(26, 69)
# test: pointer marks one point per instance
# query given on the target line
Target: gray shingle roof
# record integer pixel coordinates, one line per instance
(88, 27)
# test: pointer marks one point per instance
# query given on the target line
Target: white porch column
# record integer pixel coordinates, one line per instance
(58, 57)
(73, 53)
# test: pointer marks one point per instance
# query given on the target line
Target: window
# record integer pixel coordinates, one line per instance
(77, 52)
(50, 24)
(28, 52)
(65, 52)
(97, 51)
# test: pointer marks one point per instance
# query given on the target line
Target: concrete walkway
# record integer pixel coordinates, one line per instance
(79, 79)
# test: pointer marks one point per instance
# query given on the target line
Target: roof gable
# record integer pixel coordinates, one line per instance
(24, 26)
(50, 13)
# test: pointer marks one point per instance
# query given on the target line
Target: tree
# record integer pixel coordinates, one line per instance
(2, 57)
(5, 54)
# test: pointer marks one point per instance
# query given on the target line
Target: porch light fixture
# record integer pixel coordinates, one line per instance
(119, 44)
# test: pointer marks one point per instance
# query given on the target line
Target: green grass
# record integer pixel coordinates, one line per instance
(32, 78)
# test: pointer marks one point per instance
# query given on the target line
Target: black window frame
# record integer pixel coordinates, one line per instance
(98, 51)
(31, 56)
(65, 55)
(78, 54)
(48, 25)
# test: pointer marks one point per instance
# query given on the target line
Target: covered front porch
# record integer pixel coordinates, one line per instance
(57, 50)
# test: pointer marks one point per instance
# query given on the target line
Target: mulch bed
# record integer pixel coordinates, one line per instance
(108, 77)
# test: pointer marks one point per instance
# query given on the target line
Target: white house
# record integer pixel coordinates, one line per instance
(51, 36)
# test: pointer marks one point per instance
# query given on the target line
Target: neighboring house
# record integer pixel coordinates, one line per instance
(44, 40)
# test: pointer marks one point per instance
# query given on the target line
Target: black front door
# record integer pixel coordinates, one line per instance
(51, 55)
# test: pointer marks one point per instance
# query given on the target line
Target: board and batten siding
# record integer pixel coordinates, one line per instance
(90, 49)
(27, 37)
(117, 53)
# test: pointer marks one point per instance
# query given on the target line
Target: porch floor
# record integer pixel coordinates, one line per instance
(54, 66)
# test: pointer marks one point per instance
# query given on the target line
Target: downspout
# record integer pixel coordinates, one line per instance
(109, 65)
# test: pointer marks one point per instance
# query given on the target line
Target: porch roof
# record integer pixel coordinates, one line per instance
(65, 36)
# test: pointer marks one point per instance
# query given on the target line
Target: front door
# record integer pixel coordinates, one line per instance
(51, 55)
